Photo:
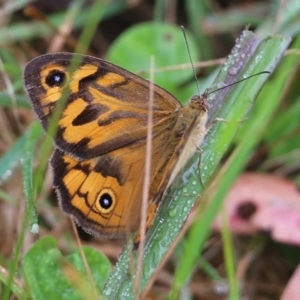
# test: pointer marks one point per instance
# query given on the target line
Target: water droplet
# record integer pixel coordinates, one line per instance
(221, 85)
(34, 228)
(107, 292)
(233, 71)
(172, 212)
(6, 175)
(221, 288)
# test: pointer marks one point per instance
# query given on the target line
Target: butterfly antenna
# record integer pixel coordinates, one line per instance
(226, 86)
(189, 52)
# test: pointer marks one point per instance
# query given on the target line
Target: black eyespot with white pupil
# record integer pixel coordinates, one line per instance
(55, 78)
(105, 201)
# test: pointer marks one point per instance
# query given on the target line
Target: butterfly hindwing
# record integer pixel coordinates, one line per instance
(101, 193)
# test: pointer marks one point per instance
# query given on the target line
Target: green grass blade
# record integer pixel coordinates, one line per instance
(24, 31)
(27, 157)
(250, 56)
(34, 132)
(274, 47)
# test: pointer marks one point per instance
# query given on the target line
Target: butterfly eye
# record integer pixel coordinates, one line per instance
(106, 201)
(55, 78)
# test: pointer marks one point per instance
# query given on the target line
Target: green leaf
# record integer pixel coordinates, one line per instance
(134, 48)
(49, 275)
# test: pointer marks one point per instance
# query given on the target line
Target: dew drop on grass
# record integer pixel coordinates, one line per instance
(221, 84)
(172, 212)
(221, 288)
(233, 71)
(34, 228)
(6, 175)
(107, 292)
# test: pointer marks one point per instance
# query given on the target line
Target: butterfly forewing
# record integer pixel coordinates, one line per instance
(106, 106)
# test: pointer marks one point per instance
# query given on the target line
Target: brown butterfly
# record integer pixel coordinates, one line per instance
(99, 161)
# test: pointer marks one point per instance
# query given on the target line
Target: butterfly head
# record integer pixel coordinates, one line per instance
(200, 102)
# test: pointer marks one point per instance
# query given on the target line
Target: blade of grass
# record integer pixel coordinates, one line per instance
(233, 166)
(27, 156)
(12, 157)
(16, 287)
(24, 31)
(33, 135)
(197, 10)
(229, 258)
(286, 22)
(229, 103)
(10, 7)
(96, 13)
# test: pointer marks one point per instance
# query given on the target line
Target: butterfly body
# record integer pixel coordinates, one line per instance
(99, 161)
